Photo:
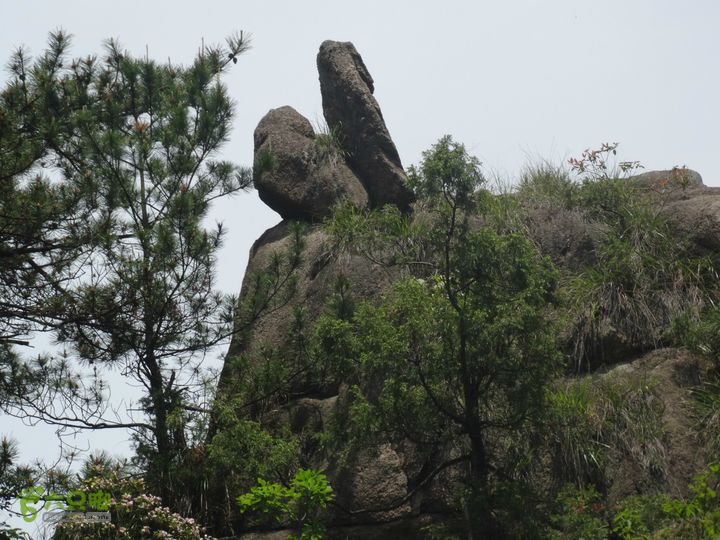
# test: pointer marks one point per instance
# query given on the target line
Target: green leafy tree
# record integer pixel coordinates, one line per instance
(47, 225)
(13, 478)
(457, 356)
(111, 249)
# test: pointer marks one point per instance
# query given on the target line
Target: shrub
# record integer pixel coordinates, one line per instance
(301, 503)
(630, 275)
(545, 183)
(135, 514)
(644, 276)
(578, 514)
(639, 516)
(698, 517)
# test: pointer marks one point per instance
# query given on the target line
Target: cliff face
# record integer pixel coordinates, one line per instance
(302, 175)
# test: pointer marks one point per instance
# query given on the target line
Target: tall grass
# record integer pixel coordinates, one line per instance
(637, 276)
(330, 144)
(603, 419)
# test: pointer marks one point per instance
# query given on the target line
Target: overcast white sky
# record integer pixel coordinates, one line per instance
(515, 80)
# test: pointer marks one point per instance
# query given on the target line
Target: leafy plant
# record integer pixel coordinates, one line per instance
(301, 503)
(578, 514)
(639, 516)
(698, 517)
(135, 514)
(242, 451)
(457, 354)
(596, 163)
(576, 433)
(643, 278)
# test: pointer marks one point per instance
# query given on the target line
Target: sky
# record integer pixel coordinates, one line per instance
(516, 81)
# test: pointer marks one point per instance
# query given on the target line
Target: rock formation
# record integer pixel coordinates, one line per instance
(303, 180)
(349, 106)
(302, 175)
(679, 177)
(293, 175)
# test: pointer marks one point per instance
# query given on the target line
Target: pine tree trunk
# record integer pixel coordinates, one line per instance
(162, 437)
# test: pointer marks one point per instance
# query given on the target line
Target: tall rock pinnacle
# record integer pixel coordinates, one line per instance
(349, 106)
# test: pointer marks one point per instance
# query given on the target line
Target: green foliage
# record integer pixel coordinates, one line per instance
(13, 479)
(701, 335)
(637, 276)
(707, 407)
(643, 276)
(12, 533)
(660, 516)
(578, 514)
(120, 240)
(698, 517)
(386, 237)
(265, 161)
(581, 513)
(576, 429)
(302, 503)
(547, 183)
(639, 516)
(448, 176)
(48, 216)
(458, 353)
(242, 451)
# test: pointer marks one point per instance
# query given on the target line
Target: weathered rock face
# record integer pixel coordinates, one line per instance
(295, 178)
(315, 281)
(349, 106)
(697, 215)
(692, 207)
(671, 179)
(673, 374)
(366, 480)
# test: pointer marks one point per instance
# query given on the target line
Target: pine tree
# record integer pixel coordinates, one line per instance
(46, 224)
(135, 144)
